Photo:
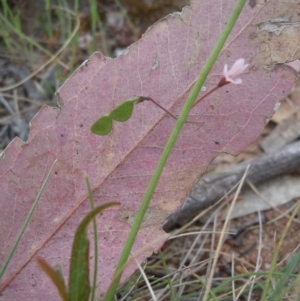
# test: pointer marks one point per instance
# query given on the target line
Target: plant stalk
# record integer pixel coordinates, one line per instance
(167, 150)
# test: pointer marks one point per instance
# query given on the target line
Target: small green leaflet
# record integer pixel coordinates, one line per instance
(121, 113)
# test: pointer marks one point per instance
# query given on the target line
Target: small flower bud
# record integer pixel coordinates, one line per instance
(231, 76)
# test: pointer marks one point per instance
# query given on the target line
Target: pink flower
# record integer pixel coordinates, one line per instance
(231, 76)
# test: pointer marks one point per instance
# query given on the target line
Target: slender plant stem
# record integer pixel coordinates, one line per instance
(205, 95)
(167, 111)
(173, 295)
(159, 105)
(13, 248)
(92, 204)
(167, 150)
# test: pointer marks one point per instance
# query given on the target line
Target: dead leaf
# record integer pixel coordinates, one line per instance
(162, 65)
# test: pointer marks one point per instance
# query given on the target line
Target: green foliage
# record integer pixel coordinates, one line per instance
(56, 278)
(79, 284)
(102, 126)
(285, 281)
(121, 113)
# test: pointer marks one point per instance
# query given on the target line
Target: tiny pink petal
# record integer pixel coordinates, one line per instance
(238, 68)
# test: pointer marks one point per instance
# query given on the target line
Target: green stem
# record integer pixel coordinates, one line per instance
(167, 150)
(92, 204)
(15, 244)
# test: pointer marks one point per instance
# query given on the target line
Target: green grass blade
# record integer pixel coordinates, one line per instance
(91, 198)
(22, 36)
(96, 19)
(212, 295)
(273, 267)
(79, 284)
(48, 19)
(12, 250)
(166, 152)
(56, 278)
(161, 255)
(281, 287)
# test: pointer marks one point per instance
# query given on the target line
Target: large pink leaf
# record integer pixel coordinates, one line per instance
(163, 65)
